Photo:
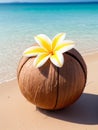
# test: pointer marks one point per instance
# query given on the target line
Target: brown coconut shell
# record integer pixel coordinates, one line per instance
(50, 87)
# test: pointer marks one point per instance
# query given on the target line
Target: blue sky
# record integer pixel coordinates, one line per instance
(47, 0)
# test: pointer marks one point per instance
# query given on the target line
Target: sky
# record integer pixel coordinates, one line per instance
(3, 1)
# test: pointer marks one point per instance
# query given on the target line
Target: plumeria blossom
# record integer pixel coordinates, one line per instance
(49, 49)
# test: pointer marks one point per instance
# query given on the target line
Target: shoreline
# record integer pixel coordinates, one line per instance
(84, 54)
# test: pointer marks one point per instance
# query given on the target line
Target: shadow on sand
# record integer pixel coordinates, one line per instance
(84, 111)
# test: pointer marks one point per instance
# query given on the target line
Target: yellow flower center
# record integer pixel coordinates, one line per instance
(51, 52)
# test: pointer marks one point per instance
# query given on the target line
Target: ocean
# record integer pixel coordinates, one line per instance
(19, 23)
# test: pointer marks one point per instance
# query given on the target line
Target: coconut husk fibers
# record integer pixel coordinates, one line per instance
(50, 87)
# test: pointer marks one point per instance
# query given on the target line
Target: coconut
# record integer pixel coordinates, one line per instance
(50, 87)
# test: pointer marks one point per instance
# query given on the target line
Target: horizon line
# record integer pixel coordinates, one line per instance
(49, 2)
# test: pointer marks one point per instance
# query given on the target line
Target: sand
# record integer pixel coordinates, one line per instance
(16, 113)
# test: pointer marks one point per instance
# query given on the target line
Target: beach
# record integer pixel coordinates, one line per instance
(16, 113)
(19, 23)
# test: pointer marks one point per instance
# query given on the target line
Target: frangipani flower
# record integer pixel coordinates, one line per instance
(49, 49)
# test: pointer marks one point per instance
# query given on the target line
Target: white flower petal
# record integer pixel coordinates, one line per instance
(65, 46)
(44, 41)
(33, 51)
(40, 60)
(57, 59)
(58, 39)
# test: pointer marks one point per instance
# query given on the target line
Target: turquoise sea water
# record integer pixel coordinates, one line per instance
(20, 22)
